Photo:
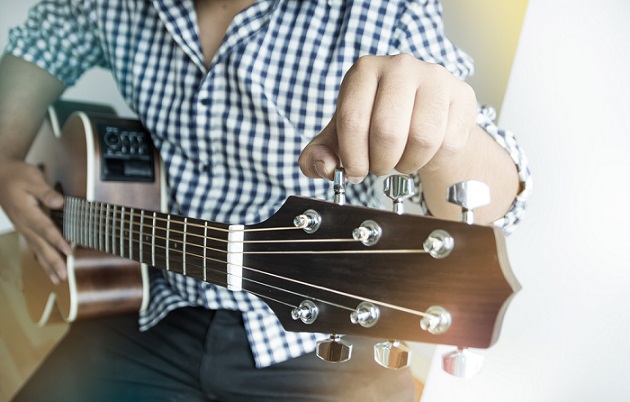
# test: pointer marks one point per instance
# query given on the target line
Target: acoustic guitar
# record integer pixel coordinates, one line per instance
(321, 266)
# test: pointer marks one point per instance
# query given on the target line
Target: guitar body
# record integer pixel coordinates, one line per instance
(79, 161)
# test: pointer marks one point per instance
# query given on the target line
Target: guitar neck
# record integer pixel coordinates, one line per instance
(192, 247)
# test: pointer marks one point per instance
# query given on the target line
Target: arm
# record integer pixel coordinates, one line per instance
(26, 91)
(398, 112)
(44, 55)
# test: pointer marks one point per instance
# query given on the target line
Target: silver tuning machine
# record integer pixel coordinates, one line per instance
(307, 312)
(462, 363)
(366, 315)
(334, 349)
(340, 186)
(469, 195)
(392, 354)
(398, 188)
(437, 320)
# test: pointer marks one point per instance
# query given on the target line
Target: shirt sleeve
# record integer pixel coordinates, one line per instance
(60, 37)
(421, 33)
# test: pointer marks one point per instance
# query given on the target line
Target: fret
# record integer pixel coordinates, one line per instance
(77, 222)
(68, 224)
(153, 240)
(75, 234)
(131, 233)
(175, 233)
(92, 226)
(88, 225)
(168, 233)
(184, 247)
(160, 245)
(141, 237)
(121, 238)
(83, 225)
(94, 219)
(100, 226)
(205, 250)
(107, 229)
(65, 221)
(114, 208)
(74, 221)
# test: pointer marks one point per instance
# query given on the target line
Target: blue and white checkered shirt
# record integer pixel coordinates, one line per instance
(230, 136)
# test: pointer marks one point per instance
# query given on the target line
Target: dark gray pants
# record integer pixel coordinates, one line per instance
(199, 355)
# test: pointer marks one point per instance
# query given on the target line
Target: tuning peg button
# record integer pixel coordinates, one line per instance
(469, 195)
(392, 354)
(334, 349)
(462, 363)
(398, 188)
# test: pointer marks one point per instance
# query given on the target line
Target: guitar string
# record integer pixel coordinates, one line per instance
(400, 308)
(124, 224)
(308, 285)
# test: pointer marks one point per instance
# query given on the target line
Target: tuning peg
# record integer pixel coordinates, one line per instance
(392, 354)
(307, 312)
(398, 188)
(340, 186)
(469, 195)
(334, 349)
(366, 314)
(462, 363)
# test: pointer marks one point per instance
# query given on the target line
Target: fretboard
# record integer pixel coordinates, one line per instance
(187, 246)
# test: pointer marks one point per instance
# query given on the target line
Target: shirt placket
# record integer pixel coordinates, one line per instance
(212, 92)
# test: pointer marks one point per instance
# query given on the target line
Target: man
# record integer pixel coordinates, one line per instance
(240, 96)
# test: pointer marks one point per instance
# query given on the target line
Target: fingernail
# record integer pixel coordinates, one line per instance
(320, 169)
(355, 180)
(55, 199)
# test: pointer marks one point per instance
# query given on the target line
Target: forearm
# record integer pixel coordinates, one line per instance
(482, 159)
(26, 91)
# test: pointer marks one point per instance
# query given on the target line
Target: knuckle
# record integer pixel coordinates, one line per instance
(363, 64)
(351, 123)
(435, 69)
(404, 60)
(428, 136)
(468, 93)
(386, 132)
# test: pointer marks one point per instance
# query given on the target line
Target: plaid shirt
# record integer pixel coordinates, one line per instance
(230, 136)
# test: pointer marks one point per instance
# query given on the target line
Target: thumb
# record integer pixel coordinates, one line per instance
(52, 199)
(46, 195)
(319, 158)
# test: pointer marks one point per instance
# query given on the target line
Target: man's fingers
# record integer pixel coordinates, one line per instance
(353, 116)
(319, 159)
(51, 261)
(391, 118)
(427, 129)
(462, 115)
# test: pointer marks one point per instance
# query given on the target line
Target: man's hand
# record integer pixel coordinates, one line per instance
(398, 112)
(24, 195)
(393, 112)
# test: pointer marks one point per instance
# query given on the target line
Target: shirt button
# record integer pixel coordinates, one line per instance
(205, 101)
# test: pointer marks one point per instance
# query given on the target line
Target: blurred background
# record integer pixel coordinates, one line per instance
(555, 71)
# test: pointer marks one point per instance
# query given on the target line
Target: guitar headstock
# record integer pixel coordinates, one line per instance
(324, 267)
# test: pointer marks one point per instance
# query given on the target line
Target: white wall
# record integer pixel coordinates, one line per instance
(566, 336)
(97, 85)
